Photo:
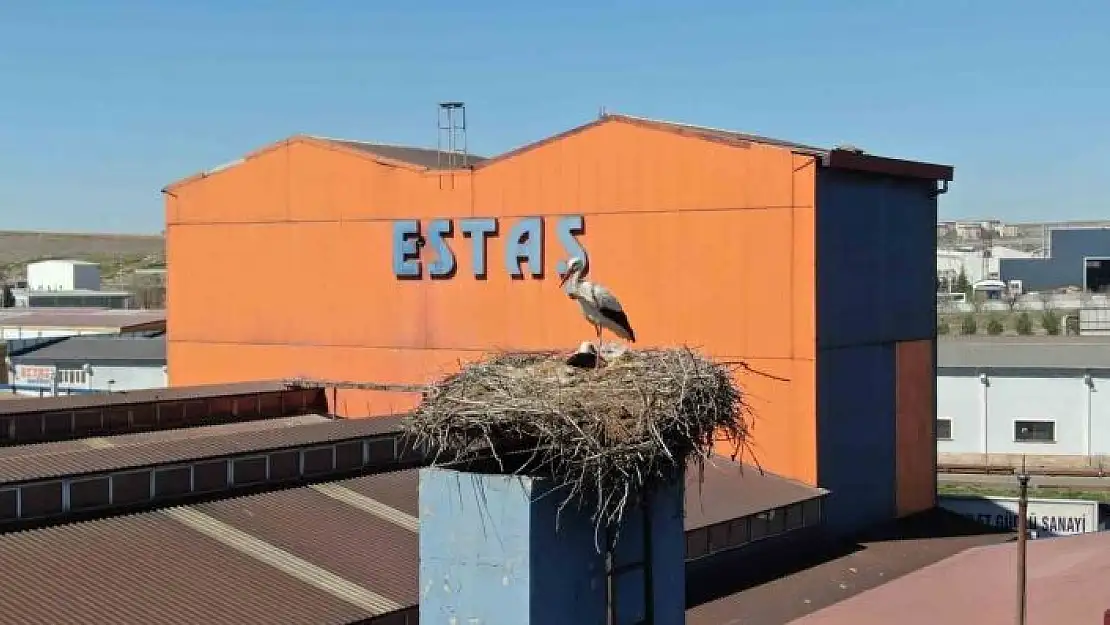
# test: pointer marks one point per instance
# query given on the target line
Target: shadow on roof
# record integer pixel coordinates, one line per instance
(888, 551)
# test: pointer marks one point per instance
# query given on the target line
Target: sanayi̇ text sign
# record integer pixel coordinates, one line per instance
(1047, 517)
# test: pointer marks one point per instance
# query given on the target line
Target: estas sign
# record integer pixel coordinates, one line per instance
(524, 242)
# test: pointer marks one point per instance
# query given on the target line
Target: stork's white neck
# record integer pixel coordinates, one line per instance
(573, 280)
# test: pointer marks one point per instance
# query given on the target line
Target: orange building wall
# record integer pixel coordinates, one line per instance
(281, 267)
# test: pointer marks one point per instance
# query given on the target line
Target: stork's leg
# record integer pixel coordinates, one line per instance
(598, 359)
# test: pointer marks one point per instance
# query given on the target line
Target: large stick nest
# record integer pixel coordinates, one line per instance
(606, 437)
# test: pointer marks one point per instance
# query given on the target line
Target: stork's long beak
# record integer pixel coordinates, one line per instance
(563, 280)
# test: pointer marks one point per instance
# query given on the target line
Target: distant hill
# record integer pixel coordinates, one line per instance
(114, 252)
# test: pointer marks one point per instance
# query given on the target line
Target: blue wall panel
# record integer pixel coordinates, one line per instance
(1065, 267)
(856, 433)
(876, 259)
(495, 550)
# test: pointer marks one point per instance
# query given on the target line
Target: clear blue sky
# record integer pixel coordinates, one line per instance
(102, 103)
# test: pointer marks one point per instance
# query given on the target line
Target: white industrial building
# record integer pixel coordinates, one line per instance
(1014, 396)
(66, 284)
(82, 364)
(974, 265)
(63, 275)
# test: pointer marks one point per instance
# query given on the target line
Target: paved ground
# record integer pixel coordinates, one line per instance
(790, 590)
(1066, 585)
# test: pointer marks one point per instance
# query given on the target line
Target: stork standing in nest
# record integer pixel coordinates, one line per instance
(600, 307)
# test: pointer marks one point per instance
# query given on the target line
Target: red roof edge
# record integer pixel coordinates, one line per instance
(856, 161)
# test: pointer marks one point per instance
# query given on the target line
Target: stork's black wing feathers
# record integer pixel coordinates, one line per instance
(618, 317)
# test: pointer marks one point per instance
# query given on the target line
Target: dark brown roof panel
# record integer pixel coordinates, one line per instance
(175, 393)
(396, 489)
(150, 569)
(80, 318)
(147, 438)
(729, 490)
(349, 542)
(78, 462)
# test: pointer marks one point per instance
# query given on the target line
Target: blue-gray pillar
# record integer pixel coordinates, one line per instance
(490, 553)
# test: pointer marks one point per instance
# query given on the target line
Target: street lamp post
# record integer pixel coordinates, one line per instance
(1022, 540)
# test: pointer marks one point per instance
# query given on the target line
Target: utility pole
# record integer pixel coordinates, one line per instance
(1022, 540)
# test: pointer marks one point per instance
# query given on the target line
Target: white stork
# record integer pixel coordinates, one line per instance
(600, 307)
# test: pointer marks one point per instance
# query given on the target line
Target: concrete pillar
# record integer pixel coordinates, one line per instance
(490, 554)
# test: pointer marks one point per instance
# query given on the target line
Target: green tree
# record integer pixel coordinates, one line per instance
(968, 324)
(1050, 321)
(962, 284)
(994, 326)
(1024, 324)
(942, 327)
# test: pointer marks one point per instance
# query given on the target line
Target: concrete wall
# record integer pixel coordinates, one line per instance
(983, 415)
(875, 294)
(494, 550)
(1065, 266)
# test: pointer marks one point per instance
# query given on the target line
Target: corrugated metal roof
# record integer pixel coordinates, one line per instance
(421, 157)
(78, 318)
(719, 133)
(337, 536)
(146, 438)
(78, 462)
(330, 548)
(127, 398)
(1032, 352)
(150, 569)
(98, 349)
(729, 490)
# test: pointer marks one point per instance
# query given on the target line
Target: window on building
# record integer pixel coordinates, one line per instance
(795, 517)
(1030, 431)
(944, 429)
(812, 512)
(71, 376)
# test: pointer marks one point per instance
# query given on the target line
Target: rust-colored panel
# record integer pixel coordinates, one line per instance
(41, 500)
(88, 422)
(144, 417)
(118, 419)
(28, 428)
(916, 446)
(57, 424)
